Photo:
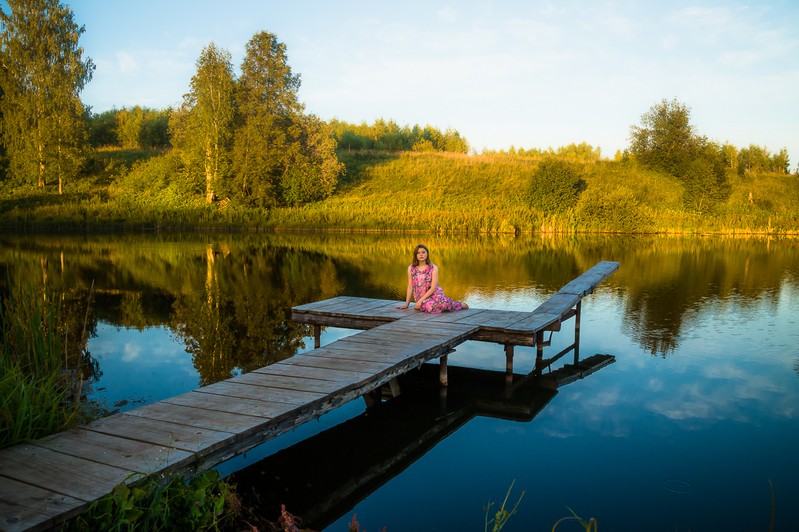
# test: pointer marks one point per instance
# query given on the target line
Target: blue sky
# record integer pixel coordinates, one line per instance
(521, 73)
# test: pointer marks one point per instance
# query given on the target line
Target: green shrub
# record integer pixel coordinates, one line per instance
(555, 186)
(614, 210)
(38, 395)
(202, 502)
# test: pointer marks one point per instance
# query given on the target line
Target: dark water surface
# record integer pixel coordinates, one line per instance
(688, 429)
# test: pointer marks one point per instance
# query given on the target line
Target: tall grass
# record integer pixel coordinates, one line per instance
(39, 392)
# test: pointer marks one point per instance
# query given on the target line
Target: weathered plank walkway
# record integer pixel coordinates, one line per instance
(44, 483)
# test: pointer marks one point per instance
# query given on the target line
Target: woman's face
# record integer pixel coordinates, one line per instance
(421, 255)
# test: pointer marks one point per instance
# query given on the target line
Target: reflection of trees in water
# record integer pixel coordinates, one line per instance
(229, 301)
(671, 281)
(66, 321)
(241, 317)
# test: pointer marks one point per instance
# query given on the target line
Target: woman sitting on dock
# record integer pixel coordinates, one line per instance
(423, 284)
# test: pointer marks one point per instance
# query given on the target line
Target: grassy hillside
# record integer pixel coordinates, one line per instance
(408, 191)
(454, 192)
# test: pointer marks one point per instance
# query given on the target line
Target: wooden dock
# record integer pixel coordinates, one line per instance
(45, 482)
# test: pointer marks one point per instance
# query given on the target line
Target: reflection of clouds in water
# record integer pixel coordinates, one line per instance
(130, 352)
(558, 432)
(146, 348)
(577, 413)
(655, 385)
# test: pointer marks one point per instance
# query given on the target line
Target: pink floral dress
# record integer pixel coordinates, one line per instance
(436, 303)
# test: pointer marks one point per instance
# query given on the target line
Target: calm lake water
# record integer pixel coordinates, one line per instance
(689, 429)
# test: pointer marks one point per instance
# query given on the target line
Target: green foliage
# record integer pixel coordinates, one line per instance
(555, 186)
(389, 136)
(280, 156)
(582, 153)
(502, 515)
(202, 129)
(756, 159)
(312, 173)
(159, 182)
(39, 389)
(705, 184)
(103, 129)
(138, 128)
(202, 502)
(589, 526)
(665, 140)
(612, 209)
(43, 73)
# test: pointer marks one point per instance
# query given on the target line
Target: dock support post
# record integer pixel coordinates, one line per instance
(442, 370)
(577, 332)
(539, 346)
(509, 363)
(317, 336)
(393, 389)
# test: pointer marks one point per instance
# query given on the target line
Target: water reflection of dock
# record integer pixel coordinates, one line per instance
(320, 479)
(47, 481)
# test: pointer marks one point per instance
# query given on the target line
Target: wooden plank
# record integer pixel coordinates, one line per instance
(370, 368)
(558, 304)
(429, 327)
(345, 322)
(354, 307)
(141, 457)
(331, 375)
(499, 320)
(404, 342)
(325, 303)
(248, 399)
(157, 432)
(386, 339)
(587, 282)
(63, 474)
(256, 378)
(206, 419)
(368, 307)
(538, 321)
(26, 507)
(385, 356)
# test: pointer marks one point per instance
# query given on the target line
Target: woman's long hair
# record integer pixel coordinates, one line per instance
(415, 261)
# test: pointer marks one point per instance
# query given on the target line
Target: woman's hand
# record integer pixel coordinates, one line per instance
(418, 305)
(403, 306)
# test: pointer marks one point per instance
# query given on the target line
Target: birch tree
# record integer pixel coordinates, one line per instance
(202, 128)
(42, 75)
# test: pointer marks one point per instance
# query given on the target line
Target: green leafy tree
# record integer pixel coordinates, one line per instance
(103, 129)
(203, 128)
(266, 95)
(313, 169)
(729, 154)
(780, 162)
(453, 142)
(665, 140)
(42, 75)
(555, 186)
(705, 181)
(280, 155)
(129, 125)
(155, 129)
